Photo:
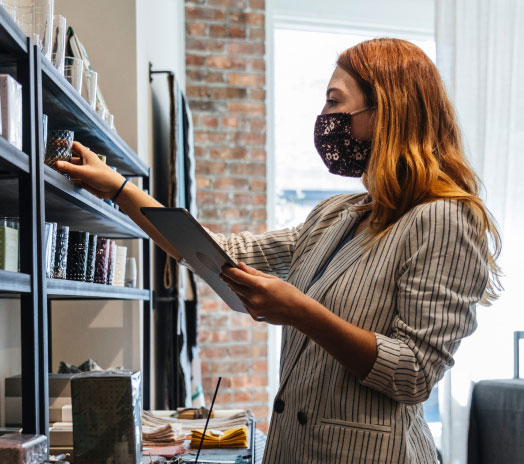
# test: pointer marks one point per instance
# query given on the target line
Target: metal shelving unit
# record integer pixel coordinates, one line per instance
(36, 194)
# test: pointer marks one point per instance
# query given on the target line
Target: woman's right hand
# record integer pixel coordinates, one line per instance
(87, 171)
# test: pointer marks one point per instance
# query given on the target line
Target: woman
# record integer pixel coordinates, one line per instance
(375, 291)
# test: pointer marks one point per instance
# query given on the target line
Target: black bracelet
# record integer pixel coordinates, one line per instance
(119, 190)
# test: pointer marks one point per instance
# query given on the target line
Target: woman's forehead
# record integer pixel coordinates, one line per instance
(342, 80)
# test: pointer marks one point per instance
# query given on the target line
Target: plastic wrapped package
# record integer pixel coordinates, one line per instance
(11, 109)
(106, 417)
(23, 449)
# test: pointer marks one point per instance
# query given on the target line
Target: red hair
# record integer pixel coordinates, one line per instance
(417, 153)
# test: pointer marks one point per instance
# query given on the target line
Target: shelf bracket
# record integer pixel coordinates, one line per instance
(151, 72)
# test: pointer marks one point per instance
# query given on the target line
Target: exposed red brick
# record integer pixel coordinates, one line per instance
(243, 4)
(259, 335)
(247, 139)
(230, 183)
(257, 94)
(196, 28)
(237, 32)
(248, 169)
(257, 34)
(195, 60)
(248, 381)
(227, 62)
(244, 79)
(204, 45)
(243, 397)
(217, 30)
(210, 14)
(260, 367)
(257, 64)
(243, 48)
(258, 125)
(246, 108)
(225, 65)
(255, 19)
(257, 4)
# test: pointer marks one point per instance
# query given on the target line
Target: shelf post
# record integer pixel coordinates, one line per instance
(28, 259)
(147, 339)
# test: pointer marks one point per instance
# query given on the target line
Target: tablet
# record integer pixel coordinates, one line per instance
(197, 247)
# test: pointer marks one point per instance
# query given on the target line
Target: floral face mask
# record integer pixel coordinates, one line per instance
(343, 154)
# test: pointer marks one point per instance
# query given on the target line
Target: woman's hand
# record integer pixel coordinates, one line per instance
(266, 297)
(89, 172)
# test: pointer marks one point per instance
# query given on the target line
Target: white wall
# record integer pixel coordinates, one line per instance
(10, 353)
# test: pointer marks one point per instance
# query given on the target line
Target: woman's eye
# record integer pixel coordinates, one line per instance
(331, 102)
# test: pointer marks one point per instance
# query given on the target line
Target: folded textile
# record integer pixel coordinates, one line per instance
(162, 436)
(223, 420)
(233, 438)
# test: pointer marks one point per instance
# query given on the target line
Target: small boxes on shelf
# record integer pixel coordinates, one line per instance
(9, 250)
(11, 109)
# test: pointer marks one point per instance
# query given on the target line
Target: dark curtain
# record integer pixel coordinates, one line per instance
(174, 185)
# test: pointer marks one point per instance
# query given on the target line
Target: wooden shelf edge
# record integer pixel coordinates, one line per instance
(70, 289)
(14, 282)
(12, 157)
(85, 200)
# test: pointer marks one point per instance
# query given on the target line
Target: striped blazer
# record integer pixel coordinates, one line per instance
(416, 289)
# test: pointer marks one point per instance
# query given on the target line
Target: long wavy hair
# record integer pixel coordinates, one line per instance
(417, 154)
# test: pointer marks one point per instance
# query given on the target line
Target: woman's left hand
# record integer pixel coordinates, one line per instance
(267, 298)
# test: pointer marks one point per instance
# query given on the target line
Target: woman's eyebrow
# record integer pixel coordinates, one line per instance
(331, 89)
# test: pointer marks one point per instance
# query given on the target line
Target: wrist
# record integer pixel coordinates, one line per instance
(120, 190)
(304, 313)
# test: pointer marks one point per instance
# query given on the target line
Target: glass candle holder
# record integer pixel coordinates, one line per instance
(101, 260)
(59, 145)
(73, 69)
(111, 263)
(62, 242)
(120, 266)
(35, 18)
(50, 248)
(77, 255)
(130, 279)
(89, 87)
(59, 42)
(91, 256)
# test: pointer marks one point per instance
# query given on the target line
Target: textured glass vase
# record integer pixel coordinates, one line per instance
(77, 255)
(62, 243)
(102, 260)
(91, 257)
(59, 145)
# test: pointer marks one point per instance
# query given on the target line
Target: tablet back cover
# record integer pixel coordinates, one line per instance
(197, 247)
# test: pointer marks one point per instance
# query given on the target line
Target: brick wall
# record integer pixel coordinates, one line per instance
(225, 60)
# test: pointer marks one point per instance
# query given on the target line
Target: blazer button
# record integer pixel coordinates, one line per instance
(302, 418)
(279, 406)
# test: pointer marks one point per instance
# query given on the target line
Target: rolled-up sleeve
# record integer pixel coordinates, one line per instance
(443, 274)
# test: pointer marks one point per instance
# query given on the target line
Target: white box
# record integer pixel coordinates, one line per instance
(11, 109)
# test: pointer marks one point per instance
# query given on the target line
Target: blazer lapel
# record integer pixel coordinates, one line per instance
(318, 255)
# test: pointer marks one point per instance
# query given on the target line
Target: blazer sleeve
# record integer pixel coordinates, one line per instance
(443, 274)
(270, 252)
